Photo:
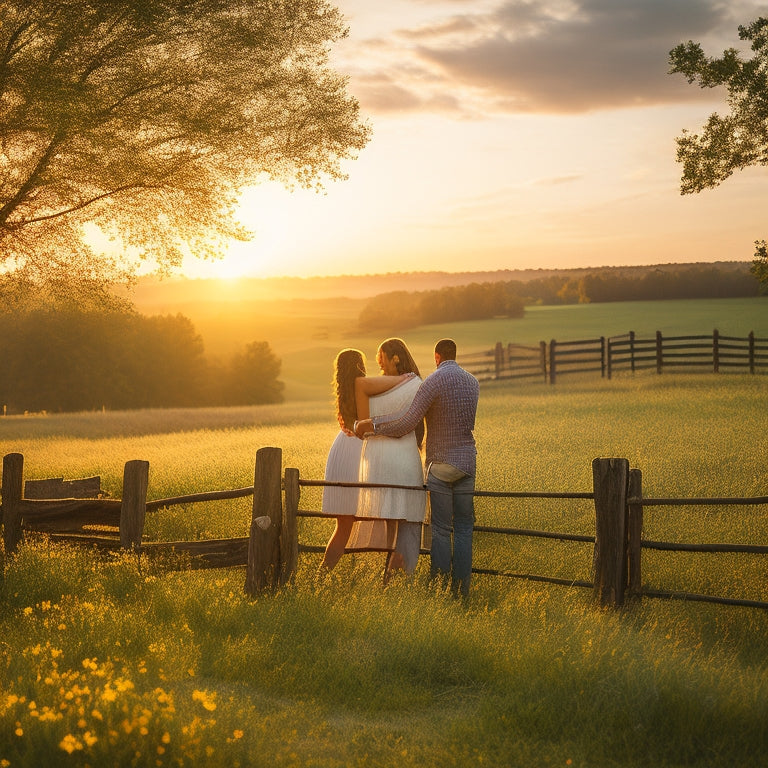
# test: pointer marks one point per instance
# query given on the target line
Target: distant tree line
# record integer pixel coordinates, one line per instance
(397, 310)
(72, 359)
(402, 309)
(700, 282)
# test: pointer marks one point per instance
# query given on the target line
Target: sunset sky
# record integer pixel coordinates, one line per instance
(517, 134)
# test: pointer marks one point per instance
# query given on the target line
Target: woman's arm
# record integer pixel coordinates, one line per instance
(368, 386)
(375, 385)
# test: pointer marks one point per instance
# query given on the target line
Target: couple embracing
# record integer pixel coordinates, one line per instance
(382, 422)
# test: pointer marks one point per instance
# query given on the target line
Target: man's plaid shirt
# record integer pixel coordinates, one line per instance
(447, 399)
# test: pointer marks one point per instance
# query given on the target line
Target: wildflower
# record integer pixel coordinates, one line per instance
(19, 730)
(166, 738)
(70, 744)
(27, 611)
(108, 694)
(206, 699)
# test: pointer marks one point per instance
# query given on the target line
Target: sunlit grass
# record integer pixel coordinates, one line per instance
(127, 663)
(181, 668)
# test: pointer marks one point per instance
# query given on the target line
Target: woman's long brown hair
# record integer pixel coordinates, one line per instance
(348, 366)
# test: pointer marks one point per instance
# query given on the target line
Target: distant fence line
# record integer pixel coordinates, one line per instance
(270, 551)
(618, 354)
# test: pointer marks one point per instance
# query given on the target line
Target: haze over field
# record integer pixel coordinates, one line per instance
(510, 134)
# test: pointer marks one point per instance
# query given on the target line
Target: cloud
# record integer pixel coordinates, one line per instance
(596, 54)
(554, 56)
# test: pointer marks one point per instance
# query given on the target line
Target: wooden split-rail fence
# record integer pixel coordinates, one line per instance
(270, 552)
(628, 352)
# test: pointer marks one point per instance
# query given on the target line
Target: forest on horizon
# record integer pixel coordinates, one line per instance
(152, 292)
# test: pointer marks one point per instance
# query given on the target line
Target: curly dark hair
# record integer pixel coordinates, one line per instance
(348, 366)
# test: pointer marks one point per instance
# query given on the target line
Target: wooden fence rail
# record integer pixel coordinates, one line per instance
(511, 361)
(623, 353)
(270, 552)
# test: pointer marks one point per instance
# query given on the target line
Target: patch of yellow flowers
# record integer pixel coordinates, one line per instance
(97, 710)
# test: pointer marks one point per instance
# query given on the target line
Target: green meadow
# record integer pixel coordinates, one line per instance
(306, 335)
(121, 661)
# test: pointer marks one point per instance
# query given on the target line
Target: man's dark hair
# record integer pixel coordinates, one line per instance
(446, 348)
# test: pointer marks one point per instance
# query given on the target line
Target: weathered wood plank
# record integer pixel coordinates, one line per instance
(289, 535)
(134, 503)
(13, 475)
(69, 515)
(263, 572)
(59, 488)
(610, 477)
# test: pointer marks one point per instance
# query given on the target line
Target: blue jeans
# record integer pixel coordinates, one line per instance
(453, 512)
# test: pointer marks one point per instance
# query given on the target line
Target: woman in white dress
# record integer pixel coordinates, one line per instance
(343, 464)
(393, 460)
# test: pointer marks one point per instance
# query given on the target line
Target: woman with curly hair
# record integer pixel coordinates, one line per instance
(343, 462)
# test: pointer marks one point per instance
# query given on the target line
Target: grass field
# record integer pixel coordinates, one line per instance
(117, 662)
(307, 335)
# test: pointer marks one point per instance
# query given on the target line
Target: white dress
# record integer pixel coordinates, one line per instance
(343, 466)
(392, 460)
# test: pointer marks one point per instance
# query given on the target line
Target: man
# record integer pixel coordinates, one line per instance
(447, 399)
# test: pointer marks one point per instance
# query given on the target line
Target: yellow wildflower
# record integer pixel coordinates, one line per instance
(205, 698)
(70, 744)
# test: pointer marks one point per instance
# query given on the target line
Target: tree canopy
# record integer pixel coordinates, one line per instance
(739, 139)
(144, 119)
(72, 359)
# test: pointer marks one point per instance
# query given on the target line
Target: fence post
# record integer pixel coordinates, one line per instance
(13, 477)
(133, 507)
(552, 353)
(751, 351)
(289, 535)
(498, 359)
(610, 477)
(632, 350)
(609, 362)
(635, 523)
(263, 571)
(602, 357)
(716, 350)
(659, 352)
(543, 358)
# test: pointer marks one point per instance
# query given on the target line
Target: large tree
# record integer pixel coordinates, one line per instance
(739, 139)
(144, 118)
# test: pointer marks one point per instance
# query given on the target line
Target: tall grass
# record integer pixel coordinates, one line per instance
(116, 661)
